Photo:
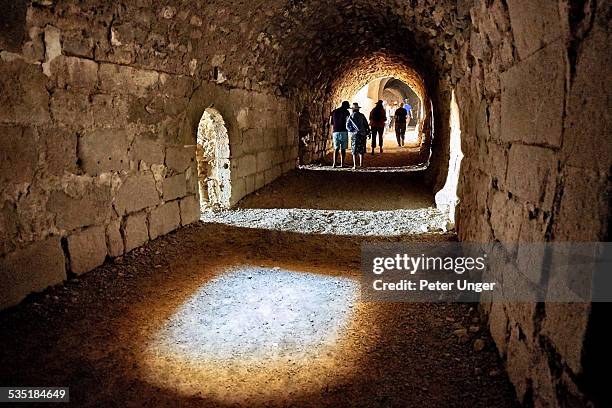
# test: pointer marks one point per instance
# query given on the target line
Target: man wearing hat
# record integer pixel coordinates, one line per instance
(358, 127)
(340, 135)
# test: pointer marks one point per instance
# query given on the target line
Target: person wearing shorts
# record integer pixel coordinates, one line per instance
(340, 134)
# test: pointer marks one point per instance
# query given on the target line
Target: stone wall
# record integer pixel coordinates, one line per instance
(94, 159)
(533, 92)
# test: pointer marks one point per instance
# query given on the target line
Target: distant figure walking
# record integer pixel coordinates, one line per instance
(400, 118)
(358, 127)
(377, 123)
(340, 135)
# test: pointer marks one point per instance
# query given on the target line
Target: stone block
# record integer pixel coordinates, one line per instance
(245, 165)
(31, 269)
(587, 141)
(531, 174)
(146, 148)
(114, 238)
(77, 42)
(136, 192)
(174, 187)
(70, 108)
(18, 155)
(583, 193)
(518, 363)
(164, 219)
(88, 207)
(190, 210)
(23, 93)
(179, 158)
(532, 98)
(565, 325)
(135, 231)
(506, 218)
(60, 150)
(87, 249)
(535, 23)
(264, 160)
(126, 80)
(8, 227)
(104, 150)
(498, 325)
(74, 72)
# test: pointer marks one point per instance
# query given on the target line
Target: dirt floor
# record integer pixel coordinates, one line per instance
(216, 315)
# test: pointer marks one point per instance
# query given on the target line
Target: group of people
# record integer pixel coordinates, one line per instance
(355, 125)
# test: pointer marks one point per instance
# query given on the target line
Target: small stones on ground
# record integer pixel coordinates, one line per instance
(479, 344)
(474, 329)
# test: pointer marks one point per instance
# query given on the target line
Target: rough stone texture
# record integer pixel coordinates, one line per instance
(190, 210)
(136, 193)
(179, 158)
(104, 150)
(174, 187)
(164, 219)
(535, 23)
(135, 231)
(87, 249)
(85, 205)
(18, 155)
(43, 264)
(114, 240)
(525, 115)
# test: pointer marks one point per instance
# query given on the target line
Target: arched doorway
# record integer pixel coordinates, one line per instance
(213, 158)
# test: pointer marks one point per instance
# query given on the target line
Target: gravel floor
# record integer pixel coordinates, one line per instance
(336, 222)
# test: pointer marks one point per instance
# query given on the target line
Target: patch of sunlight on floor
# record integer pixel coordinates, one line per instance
(334, 222)
(255, 333)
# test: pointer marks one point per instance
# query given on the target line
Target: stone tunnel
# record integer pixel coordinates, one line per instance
(163, 161)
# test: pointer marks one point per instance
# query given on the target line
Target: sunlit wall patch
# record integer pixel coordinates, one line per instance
(244, 331)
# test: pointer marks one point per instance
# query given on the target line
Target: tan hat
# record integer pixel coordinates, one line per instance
(355, 106)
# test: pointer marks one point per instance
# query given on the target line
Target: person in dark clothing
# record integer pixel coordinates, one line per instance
(340, 135)
(378, 117)
(400, 117)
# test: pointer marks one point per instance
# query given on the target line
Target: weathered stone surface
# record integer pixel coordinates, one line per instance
(535, 23)
(532, 173)
(75, 72)
(136, 192)
(164, 219)
(147, 149)
(135, 231)
(190, 210)
(70, 108)
(89, 206)
(114, 238)
(23, 94)
(179, 158)
(565, 325)
(583, 193)
(526, 115)
(590, 91)
(18, 155)
(87, 249)
(123, 79)
(31, 269)
(60, 150)
(174, 187)
(8, 228)
(104, 150)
